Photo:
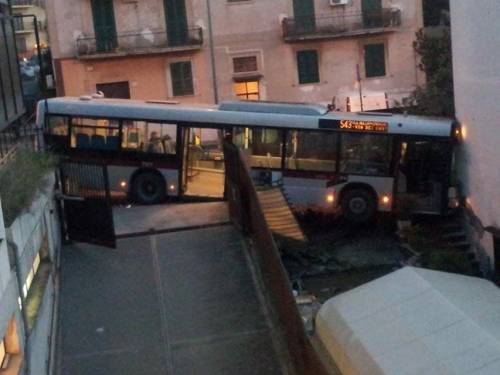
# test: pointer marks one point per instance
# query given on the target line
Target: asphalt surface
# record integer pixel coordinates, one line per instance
(175, 303)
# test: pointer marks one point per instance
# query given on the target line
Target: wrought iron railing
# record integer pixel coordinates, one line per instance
(345, 24)
(17, 136)
(138, 42)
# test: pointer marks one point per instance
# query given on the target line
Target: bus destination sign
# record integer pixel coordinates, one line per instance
(355, 125)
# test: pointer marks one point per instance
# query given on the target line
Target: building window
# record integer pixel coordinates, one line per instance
(182, 78)
(307, 64)
(21, 45)
(247, 90)
(245, 64)
(374, 60)
(116, 90)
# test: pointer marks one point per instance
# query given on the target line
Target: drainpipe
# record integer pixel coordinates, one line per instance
(212, 54)
(20, 283)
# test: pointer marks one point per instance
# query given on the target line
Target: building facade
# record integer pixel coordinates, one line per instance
(201, 51)
(476, 65)
(25, 26)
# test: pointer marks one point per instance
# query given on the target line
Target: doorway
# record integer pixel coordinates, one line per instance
(116, 90)
(372, 13)
(203, 163)
(104, 25)
(424, 175)
(176, 18)
(303, 12)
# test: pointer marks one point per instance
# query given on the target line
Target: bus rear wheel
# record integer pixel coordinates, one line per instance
(358, 205)
(149, 188)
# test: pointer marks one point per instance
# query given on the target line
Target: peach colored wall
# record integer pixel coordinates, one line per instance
(148, 76)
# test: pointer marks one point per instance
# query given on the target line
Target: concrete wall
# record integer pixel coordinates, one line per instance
(239, 29)
(24, 238)
(476, 64)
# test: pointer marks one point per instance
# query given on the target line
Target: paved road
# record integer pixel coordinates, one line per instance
(176, 303)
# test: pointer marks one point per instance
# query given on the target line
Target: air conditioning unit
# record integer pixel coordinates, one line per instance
(339, 2)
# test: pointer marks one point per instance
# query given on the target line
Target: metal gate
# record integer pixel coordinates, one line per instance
(87, 205)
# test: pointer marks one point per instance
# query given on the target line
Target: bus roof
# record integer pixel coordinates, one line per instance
(255, 114)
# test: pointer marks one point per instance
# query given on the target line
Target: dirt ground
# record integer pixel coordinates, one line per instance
(341, 256)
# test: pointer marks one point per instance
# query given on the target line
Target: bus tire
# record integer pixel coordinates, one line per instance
(358, 205)
(149, 187)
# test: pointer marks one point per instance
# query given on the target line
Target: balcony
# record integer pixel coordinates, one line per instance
(138, 43)
(345, 25)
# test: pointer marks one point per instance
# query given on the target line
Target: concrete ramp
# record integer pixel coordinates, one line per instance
(180, 303)
(281, 220)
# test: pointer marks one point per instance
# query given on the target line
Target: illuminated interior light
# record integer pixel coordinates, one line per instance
(123, 184)
(172, 187)
(330, 198)
(386, 199)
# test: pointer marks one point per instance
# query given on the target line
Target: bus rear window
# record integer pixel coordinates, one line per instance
(57, 125)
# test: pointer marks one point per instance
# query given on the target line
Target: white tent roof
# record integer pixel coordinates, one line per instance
(414, 321)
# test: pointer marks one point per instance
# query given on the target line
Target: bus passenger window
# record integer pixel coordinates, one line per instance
(264, 147)
(365, 154)
(95, 134)
(311, 151)
(149, 137)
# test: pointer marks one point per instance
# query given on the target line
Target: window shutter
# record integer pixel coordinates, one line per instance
(307, 63)
(375, 60)
(182, 78)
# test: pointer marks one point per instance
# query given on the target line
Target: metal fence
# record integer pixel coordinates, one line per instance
(246, 212)
(138, 42)
(24, 134)
(346, 23)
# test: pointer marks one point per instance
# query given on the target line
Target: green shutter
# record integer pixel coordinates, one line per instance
(176, 19)
(375, 60)
(182, 78)
(307, 63)
(104, 25)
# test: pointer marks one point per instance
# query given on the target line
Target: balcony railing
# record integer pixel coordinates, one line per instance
(138, 43)
(22, 2)
(348, 24)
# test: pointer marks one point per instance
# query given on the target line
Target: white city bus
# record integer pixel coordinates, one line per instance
(356, 163)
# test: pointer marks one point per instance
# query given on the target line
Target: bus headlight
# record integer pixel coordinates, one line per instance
(386, 199)
(330, 198)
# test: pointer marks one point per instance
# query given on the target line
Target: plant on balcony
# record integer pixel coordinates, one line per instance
(21, 179)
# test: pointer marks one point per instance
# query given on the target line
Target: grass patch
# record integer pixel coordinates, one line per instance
(435, 253)
(21, 179)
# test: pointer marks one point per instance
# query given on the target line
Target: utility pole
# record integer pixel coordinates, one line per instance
(212, 54)
(359, 86)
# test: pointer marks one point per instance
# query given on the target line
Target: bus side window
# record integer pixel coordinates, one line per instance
(265, 146)
(311, 151)
(366, 154)
(95, 134)
(149, 137)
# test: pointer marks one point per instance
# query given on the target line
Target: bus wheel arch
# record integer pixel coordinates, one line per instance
(148, 186)
(358, 202)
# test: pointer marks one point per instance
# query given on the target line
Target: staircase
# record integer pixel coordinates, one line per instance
(281, 220)
(454, 233)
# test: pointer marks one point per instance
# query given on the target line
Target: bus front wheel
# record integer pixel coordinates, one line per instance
(148, 188)
(358, 205)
